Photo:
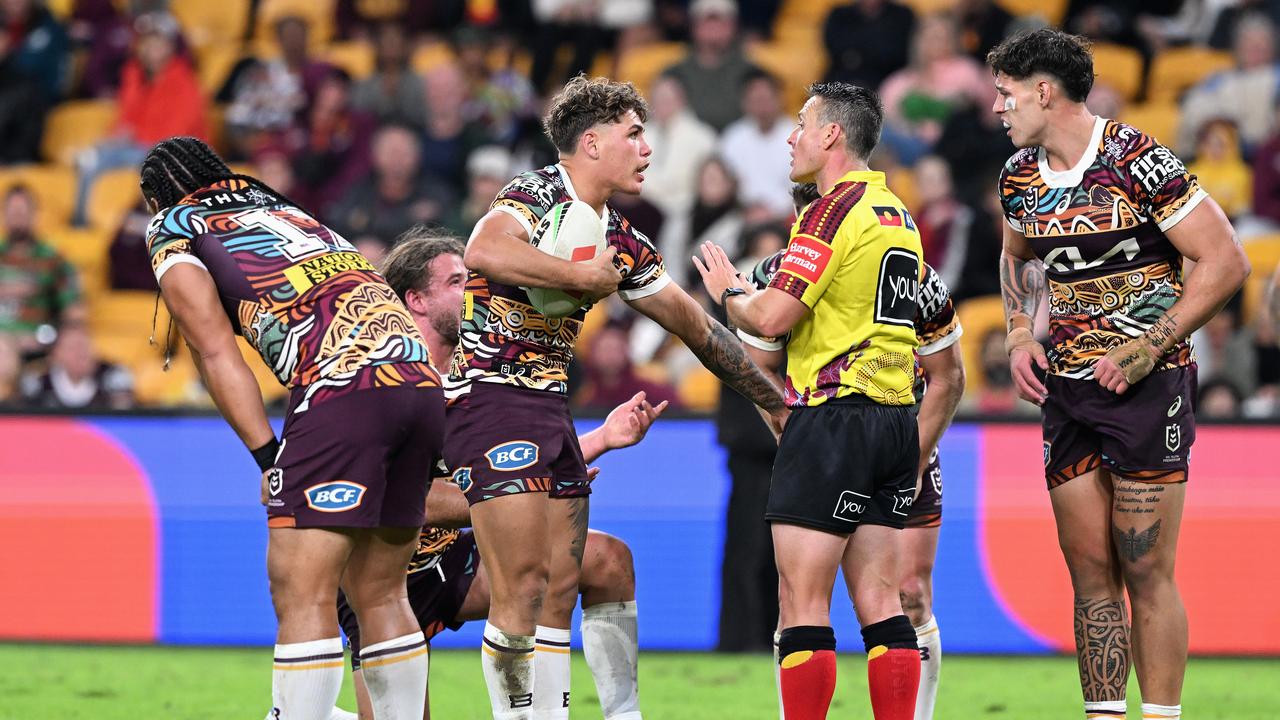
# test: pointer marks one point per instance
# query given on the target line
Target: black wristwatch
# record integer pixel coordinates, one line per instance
(724, 303)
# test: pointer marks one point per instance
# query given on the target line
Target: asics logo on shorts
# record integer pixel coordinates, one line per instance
(514, 455)
(335, 496)
(850, 506)
(1175, 407)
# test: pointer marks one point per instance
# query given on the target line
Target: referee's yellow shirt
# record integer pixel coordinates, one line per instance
(854, 259)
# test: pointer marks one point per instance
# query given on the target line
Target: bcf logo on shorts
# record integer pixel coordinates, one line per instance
(850, 506)
(514, 455)
(335, 496)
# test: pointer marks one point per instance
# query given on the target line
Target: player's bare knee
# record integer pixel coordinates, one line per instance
(608, 566)
(916, 596)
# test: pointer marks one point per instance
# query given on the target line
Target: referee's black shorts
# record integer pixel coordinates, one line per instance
(845, 463)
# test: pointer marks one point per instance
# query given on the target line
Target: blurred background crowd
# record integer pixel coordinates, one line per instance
(378, 114)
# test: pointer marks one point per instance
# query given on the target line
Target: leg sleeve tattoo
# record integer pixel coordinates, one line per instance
(1102, 648)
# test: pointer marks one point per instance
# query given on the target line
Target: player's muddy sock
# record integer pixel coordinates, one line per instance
(306, 678)
(1152, 711)
(807, 671)
(610, 642)
(930, 642)
(551, 673)
(1107, 710)
(395, 671)
(893, 668)
(777, 675)
(508, 672)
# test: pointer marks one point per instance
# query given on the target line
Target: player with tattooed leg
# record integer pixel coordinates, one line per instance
(1102, 217)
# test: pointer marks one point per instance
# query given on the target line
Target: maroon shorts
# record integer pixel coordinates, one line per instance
(926, 510)
(362, 459)
(503, 441)
(1144, 434)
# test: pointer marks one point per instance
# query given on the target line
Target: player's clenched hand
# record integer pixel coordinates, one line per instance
(266, 482)
(592, 473)
(718, 274)
(599, 276)
(1125, 365)
(1024, 349)
(627, 424)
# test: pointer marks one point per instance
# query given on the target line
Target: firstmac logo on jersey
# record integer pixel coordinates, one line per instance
(335, 496)
(898, 288)
(514, 455)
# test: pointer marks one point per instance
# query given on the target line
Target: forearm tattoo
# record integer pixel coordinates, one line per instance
(1163, 334)
(723, 355)
(1022, 285)
(1102, 648)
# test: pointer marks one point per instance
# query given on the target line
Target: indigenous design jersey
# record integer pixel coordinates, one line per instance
(503, 339)
(433, 542)
(313, 307)
(854, 259)
(1100, 230)
(936, 324)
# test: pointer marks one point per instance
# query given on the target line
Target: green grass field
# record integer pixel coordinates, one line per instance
(58, 682)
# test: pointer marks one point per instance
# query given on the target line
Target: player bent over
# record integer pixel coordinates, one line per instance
(1106, 216)
(346, 486)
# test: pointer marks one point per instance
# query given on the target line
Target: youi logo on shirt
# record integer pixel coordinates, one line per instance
(898, 288)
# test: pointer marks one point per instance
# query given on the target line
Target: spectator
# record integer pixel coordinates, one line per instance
(394, 93)
(1224, 348)
(681, 144)
(488, 171)
(448, 139)
(360, 20)
(755, 147)
(107, 33)
(331, 151)
(128, 264)
(997, 395)
(1266, 186)
(1219, 399)
(77, 379)
(983, 24)
(866, 41)
(160, 97)
(716, 216)
(610, 377)
(1221, 171)
(34, 63)
(10, 373)
(979, 272)
(500, 103)
(588, 25)
(944, 221)
(39, 290)
(1246, 95)
(715, 70)
(918, 99)
(394, 196)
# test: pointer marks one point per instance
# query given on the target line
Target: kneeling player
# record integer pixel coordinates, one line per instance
(447, 582)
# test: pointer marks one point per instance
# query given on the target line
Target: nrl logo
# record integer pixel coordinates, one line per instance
(1173, 437)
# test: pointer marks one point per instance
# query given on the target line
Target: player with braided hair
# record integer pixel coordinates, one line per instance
(345, 488)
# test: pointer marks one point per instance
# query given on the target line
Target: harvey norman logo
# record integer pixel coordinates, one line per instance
(807, 258)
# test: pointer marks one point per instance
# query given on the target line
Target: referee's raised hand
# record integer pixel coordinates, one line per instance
(718, 274)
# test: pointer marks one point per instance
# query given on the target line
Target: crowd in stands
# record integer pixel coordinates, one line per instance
(378, 115)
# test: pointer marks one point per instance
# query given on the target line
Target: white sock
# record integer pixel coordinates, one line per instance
(930, 642)
(1152, 711)
(1106, 710)
(777, 674)
(610, 642)
(395, 671)
(508, 672)
(551, 673)
(340, 714)
(305, 679)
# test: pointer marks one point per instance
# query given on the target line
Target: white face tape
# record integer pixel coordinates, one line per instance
(1010, 103)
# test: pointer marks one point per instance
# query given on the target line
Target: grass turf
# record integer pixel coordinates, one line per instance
(58, 682)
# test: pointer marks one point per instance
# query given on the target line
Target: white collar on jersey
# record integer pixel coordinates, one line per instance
(1070, 178)
(568, 185)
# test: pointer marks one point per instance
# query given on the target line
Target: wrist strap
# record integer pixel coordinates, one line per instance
(1016, 337)
(265, 456)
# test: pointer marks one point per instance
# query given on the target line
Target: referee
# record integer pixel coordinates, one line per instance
(845, 473)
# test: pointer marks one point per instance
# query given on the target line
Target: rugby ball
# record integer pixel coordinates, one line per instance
(571, 231)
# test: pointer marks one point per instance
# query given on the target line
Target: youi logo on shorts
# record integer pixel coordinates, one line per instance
(335, 496)
(514, 455)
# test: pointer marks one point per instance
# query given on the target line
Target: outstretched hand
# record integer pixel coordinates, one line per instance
(627, 424)
(718, 274)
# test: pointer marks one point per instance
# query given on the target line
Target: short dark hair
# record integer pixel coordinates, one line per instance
(584, 102)
(802, 194)
(20, 188)
(179, 166)
(408, 265)
(1065, 57)
(857, 110)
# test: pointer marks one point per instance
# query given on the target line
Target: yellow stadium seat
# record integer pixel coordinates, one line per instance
(214, 65)
(1175, 70)
(929, 7)
(1120, 67)
(1157, 119)
(112, 195)
(642, 65)
(355, 57)
(125, 345)
(699, 390)
(86, 249)
(317, 13)
(153, 386)
(271, 388)
(54, 187)
(794, 66)
(1264, 255)
(978, 316)
(1051, 10)
(806, 12)
(209, 24)
(74, 125)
